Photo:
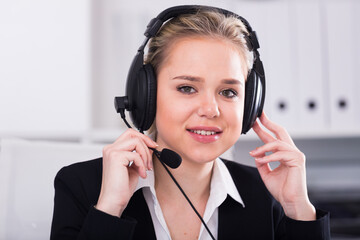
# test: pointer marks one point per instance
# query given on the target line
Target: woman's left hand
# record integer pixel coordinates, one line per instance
(287, 182)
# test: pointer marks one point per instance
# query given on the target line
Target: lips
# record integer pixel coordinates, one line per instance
(205, 134)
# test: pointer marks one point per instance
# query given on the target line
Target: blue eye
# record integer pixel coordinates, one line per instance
(186, 89)
(229, 93)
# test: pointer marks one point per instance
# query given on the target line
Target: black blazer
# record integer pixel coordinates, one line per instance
(77, 188)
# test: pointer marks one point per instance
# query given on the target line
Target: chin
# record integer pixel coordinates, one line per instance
(203, 155)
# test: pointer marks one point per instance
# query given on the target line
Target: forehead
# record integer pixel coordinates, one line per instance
(204, 55)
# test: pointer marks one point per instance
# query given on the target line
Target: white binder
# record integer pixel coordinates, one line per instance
(341, 25)
(281, 90)
(308, 44)
(356, 55)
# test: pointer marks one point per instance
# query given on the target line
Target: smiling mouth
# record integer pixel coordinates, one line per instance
(203, 132)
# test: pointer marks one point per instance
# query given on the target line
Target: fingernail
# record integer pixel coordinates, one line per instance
(253, 151)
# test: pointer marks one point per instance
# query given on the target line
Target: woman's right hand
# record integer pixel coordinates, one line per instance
(118, 179)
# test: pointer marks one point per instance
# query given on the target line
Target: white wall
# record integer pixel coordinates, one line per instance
(45, 75)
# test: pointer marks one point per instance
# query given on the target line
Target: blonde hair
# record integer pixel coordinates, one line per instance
(204, 23)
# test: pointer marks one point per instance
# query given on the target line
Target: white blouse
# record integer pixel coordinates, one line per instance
(222, 185)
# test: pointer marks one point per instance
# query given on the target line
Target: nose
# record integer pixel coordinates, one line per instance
(208, 106)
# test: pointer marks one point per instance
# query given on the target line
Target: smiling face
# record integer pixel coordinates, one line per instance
(200, 98)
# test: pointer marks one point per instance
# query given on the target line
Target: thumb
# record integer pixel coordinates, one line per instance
(263, 168)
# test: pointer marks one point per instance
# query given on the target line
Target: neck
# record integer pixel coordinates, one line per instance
(193, 178)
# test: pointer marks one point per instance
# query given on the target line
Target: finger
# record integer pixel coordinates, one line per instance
(290, 159)
(139, 146)
(148, 162)
(131, 133)
(134, 144)
(264, 169)
(117, 150)
(278, 130)
(128, 133)
(148, 141)
(138, 163)
(274, 146)
(118, 158)
(263, 135)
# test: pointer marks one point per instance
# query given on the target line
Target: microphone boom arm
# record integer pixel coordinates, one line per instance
(183, 193)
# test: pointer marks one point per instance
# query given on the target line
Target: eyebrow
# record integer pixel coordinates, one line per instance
(232, 81)
(189, 78)
(199, 79)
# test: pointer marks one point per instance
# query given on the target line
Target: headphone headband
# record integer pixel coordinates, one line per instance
(155, 23)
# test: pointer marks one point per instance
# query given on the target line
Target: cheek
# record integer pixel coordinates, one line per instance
(163, 116)
(234, 116)
(169, 109)
(239, 114)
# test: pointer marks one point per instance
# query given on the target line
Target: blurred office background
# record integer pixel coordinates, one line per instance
(62, 63)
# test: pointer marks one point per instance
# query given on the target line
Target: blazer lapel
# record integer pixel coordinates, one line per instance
(228, 226)
(255, 220)
(137, 208)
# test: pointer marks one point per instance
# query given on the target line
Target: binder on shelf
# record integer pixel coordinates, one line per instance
(307, 43)
(281, 87)
(340, 25)
(356, 59)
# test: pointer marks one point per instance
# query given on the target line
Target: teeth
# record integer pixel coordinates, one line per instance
(203, 132)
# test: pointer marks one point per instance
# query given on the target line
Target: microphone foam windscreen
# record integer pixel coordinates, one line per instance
(170, 158)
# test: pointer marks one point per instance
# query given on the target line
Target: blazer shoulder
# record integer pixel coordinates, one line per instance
(82, 180)
(81, 169)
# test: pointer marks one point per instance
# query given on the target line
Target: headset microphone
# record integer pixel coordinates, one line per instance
(169, 157)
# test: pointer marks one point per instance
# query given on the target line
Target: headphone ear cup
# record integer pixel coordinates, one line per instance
(141, 92)
(254, 94)
(136, 90)
(150, 110)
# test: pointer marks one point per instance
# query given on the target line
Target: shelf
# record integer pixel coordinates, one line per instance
(331, 134)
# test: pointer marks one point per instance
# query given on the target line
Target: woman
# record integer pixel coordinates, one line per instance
(202, 63)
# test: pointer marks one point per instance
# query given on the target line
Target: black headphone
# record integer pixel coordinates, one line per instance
(140, 99)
